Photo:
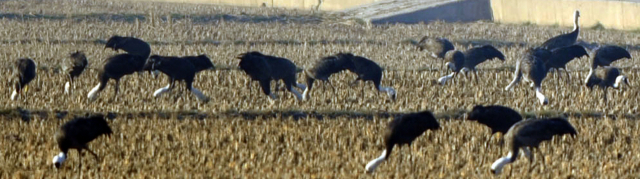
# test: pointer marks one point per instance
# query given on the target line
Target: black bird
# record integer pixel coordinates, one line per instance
(76, 133)
(130, 45)
(366, 70)
(563, 55)
(498, 118)
(404, 130)
(177, 69)
(25, 72)
(116, 67)
(79, 64)
(467, 61)
(436, 46)
(201, 62)
(533, 67)
(264, 68)
(604, 56)
(564, 40)
(611, 78)
(528, 134)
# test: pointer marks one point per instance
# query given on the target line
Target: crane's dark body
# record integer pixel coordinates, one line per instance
(264, 68)
(79, 64)
(498, 118)
(76, 133)
(405, 129)
(25, 73)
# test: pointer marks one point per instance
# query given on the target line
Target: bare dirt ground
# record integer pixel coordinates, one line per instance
(239, 133)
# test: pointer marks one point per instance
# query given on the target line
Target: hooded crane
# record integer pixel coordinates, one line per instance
(25, 72)
(561, 56)
(564, 40)
(497, 118)
(264, 68)
(116, 67)
(177, 69)
(76, 133)
(467, 61)
(532, 65)
(527, 135)
(367, 70)
(604, 56)
(323, 69)
(131, 45)
(79, 64)
(404, 130)
(612, 78)
(436, 46)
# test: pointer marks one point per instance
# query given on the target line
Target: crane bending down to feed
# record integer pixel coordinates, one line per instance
(605, 55)
(436, 46)
(611, 78)
(264, 68)
(527, 135)
(497, 118)
(116, 67)
(76, 133)
(404, 130)
(367, 70)
(467, 61)
(564, 40)
(24, 74)
(177, 69)
(533, 68)
(79, 64)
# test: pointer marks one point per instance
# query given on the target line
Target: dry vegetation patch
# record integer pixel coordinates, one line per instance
(178, 136)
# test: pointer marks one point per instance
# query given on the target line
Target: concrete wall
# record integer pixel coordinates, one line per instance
(623, 15)
(458, 11)
(325, 5)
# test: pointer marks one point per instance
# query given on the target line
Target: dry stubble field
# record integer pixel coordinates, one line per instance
(240, 134)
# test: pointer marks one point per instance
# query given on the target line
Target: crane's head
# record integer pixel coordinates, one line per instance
(59, 159)
(621, 79)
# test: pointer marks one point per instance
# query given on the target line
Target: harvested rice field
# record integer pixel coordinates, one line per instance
(239, 133)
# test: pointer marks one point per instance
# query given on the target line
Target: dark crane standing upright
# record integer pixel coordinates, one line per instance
(527, 135)
(611, 78)
(76, 133)
(404, 130)
(367, 70)
(604, 56)
(533, 67)
(25, 72)
(79, 63)
(564, 40)
(264, 68)
(467, 61)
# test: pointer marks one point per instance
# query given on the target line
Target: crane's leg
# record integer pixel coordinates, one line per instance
(117, 86)
(80, 159)
(92, 153)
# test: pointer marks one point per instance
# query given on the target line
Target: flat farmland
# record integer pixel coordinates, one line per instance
(239, 133)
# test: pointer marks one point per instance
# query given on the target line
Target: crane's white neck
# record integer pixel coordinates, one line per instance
(373, 164)
(496, 167)
(541, 97)
(619, 80)
(444, 79)
(591, 73)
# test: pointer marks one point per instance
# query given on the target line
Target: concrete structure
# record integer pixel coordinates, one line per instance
(615, 14)
(415, 11)
(325, 5)
(619, 14)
